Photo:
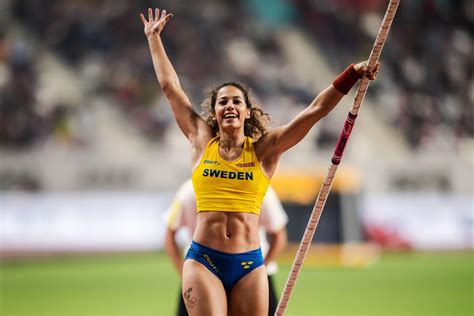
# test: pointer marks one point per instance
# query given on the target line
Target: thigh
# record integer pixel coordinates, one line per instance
(250, 295)
(203, 292)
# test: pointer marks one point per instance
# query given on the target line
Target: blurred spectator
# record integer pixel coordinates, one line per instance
(428, 65)
(19, 122)
(19, 182)
(424, 90)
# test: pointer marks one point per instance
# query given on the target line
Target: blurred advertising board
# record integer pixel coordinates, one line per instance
(81, 222)
(429, 221)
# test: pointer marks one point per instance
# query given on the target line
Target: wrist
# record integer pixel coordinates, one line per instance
(153, 37)
(346, 79)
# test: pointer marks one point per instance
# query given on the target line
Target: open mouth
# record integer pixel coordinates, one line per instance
(229, 116)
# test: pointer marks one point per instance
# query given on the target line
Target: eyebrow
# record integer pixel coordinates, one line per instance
(234, 97)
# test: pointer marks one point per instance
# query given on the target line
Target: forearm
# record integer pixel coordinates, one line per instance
(174, 252)
(324, 103)
(292, 133)
(278, 242)
(180, 104)
(271, 255)
(165, 73)
(330, 97)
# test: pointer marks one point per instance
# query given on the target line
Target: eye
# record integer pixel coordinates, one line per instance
(237, 101)
(222, 102)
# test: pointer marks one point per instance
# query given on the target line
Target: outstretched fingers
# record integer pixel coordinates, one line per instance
(160, 24)
(142, 17)
(167, 17)
(157, 17)
(157, 14)
(156, 20)
(150, 15)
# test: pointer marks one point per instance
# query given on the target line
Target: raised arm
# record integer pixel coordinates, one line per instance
(274, 143)
(188, 120)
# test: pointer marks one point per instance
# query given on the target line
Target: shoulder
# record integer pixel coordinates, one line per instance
(207, 141)
(267, 144)
(267, 153)
(199, 144)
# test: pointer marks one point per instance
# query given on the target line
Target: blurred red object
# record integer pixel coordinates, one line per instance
(387, 238)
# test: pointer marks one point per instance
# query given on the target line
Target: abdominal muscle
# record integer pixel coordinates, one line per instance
(229, 232)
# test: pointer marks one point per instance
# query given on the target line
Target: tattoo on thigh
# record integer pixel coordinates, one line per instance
(189, 298)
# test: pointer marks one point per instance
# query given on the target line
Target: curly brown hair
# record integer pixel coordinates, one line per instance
(256, 126)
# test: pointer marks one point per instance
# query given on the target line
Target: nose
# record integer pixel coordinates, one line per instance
(229, 104)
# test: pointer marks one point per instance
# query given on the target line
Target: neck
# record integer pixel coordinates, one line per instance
(229, 141)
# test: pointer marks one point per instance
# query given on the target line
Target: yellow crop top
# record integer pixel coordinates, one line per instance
(229, 186)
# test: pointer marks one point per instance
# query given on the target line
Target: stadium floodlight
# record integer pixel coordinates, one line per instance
(336, 159)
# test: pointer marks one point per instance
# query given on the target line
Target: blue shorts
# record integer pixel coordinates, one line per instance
(228, 267)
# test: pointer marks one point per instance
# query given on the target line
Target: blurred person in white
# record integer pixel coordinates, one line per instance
(181, 220)
(233, 156)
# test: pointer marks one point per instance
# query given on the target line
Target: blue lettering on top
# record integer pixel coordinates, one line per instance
(227, 174)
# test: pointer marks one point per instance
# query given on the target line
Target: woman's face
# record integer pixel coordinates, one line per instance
(230, 108)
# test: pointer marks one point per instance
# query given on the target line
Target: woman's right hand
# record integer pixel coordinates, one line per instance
(361, 69)
(155, 25)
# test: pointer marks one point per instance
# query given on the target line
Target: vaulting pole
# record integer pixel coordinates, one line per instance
(336, 159)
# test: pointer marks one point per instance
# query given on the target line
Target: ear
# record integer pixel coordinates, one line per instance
(248, 114)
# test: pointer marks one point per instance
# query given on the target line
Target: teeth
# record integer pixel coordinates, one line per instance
(230, 116)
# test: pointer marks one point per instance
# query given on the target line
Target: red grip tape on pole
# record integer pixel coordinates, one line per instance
(342, 142)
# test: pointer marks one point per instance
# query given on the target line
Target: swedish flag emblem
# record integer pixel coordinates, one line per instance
(246, 264)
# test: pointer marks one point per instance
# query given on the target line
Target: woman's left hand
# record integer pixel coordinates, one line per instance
(362, 70)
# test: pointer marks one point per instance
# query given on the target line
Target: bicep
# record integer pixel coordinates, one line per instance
(282, 138)
(287, 136)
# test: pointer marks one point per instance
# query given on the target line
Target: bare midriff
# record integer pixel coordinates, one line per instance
(228, 232)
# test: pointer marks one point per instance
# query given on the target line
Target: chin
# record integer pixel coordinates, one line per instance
(232, 126)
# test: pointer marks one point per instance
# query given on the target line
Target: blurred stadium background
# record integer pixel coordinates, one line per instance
(90, 155)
